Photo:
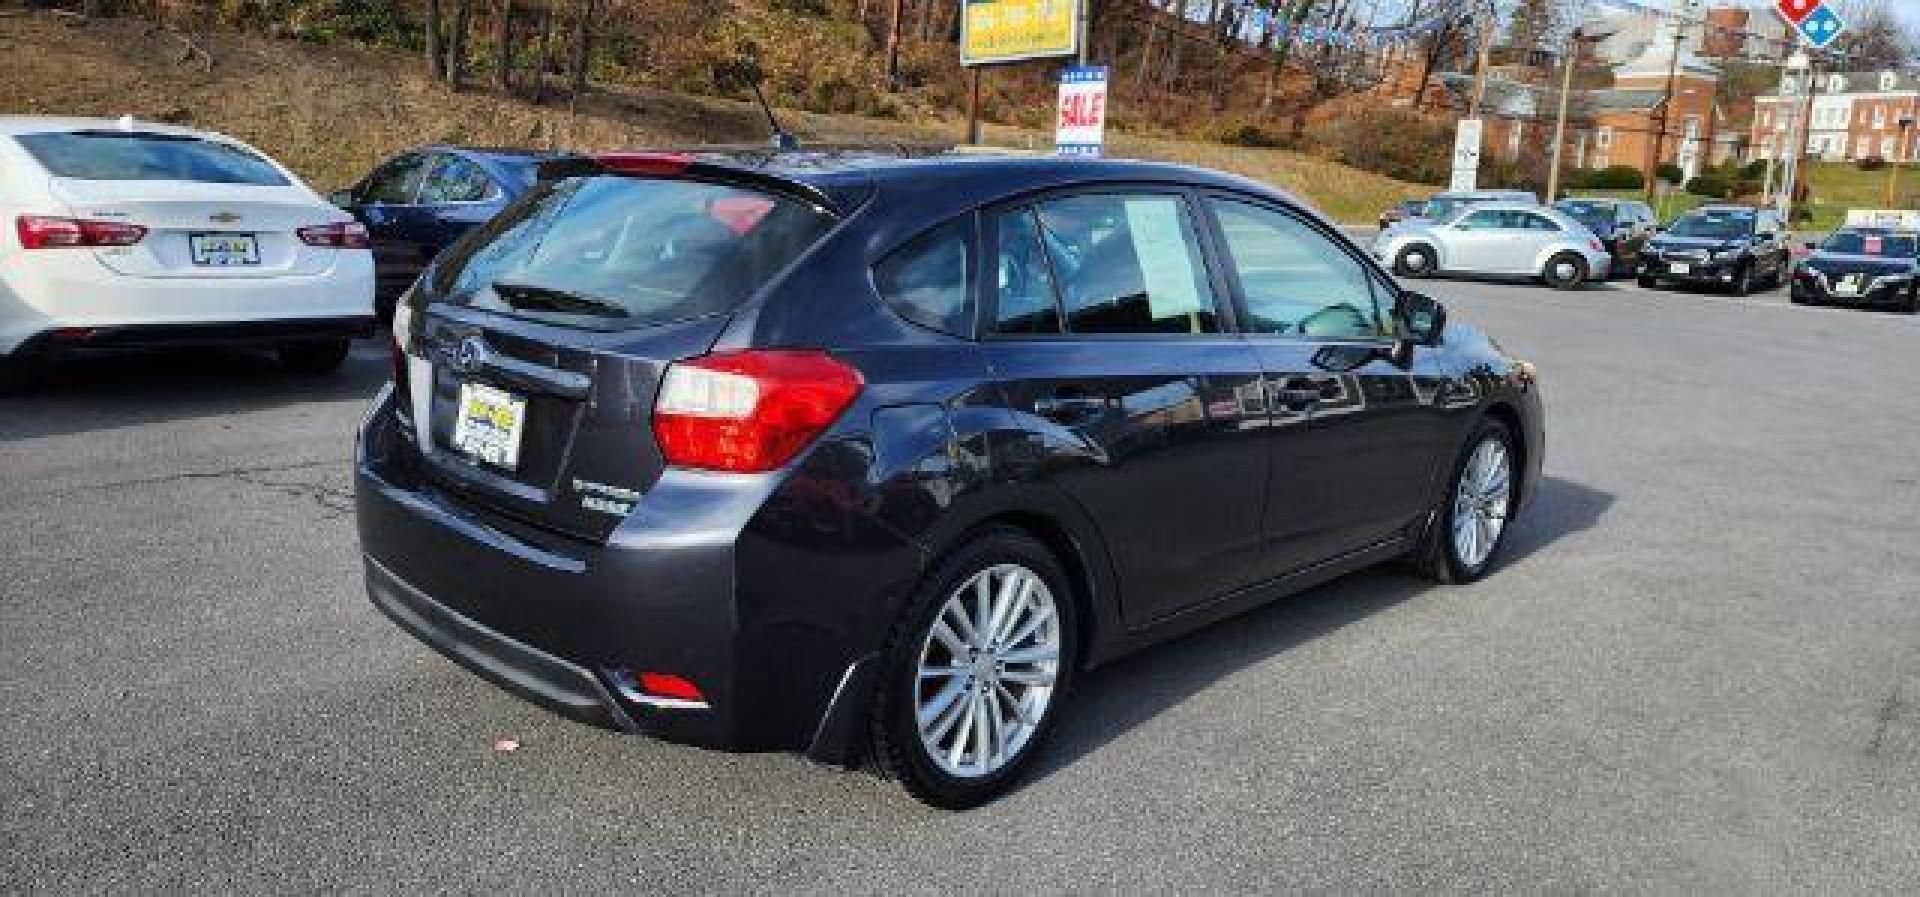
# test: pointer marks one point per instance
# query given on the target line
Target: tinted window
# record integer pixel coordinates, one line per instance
(619, 252)
(134, 156)
(1485, 219)
(1128, 264)
(1296, 280)
(1025, 302)
(1868, 243)
(1532, 221)
(927, 281)
(455, 180)
(396, 183)
(1715, 225)
(1597, 216)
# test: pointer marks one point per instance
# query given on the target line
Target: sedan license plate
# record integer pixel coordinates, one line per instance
(489, 425)
(1679, 268)
(1848, 285)
(224, 250)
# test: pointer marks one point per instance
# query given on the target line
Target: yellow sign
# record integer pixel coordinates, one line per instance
(1009, 30)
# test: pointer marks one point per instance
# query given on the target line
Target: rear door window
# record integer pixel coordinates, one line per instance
(454, 179)
(1026, 302)
(1127, 264)
(396, 183)
(137, 156)
(617, 253)
(929, 282)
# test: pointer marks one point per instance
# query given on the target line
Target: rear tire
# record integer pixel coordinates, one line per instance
(1648, 283)
(1565, 271)
(17, 375)
(1441, 554)
(313, 356)
(1416, 261)
(1011, 681)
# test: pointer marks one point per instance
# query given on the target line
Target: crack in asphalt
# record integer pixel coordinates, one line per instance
(334, 503)
(1889, 709)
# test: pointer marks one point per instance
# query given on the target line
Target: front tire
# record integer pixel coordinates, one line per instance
(1470, 524)
(975, 671)
(313, 356)
(17, 375)
(1416, 261)
(1647, 283)
(1565, 271)
(1742, 285)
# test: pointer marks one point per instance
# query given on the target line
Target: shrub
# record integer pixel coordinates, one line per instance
(1617, 177)
(1670, 173)
(1395, 142)
(1710, 185)
(1872, 163)
(1241, 132)
(1754, 171)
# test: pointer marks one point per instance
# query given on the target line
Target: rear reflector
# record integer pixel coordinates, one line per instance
(658, 164)
(667, 685)
(50, 232)
(338, 235)
(752, 411)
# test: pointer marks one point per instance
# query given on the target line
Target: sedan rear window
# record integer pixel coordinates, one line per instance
(136, 156)
(616, 253)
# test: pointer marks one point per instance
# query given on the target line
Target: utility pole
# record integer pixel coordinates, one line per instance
(1480, 71)
(1799, 180)
(1666, 112)
(1560, 120)
(1080, 38)
(1893, 165)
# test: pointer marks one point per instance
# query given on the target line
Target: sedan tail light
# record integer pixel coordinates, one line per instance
(338, 235)
(751, 411)
(50, 232)
(1597, 245)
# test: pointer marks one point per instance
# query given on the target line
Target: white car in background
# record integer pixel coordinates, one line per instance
(1506, 239)
(120, 234)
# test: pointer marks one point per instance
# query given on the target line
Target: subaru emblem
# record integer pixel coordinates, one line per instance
(471, 354)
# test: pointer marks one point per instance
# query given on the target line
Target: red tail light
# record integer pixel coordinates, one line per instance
(657, 164)
(338, 235)
(1597, 245)
(667, 685)
(752, 411)
(49, 232)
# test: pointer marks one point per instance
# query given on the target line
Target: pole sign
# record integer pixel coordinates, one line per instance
(1081, 126)
(1466, 155)
(994, 31)
(1815, 20)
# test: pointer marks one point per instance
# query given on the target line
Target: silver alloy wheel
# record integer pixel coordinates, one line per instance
(1416, 261)
(987, 671)
(1565, 271)
(1481, 502)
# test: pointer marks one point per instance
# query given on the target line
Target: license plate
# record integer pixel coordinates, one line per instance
(1679, 268)
(489, 426)
(224, 250)
(1848, 286)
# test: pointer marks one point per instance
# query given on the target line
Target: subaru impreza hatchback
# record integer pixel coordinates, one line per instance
(870, 457)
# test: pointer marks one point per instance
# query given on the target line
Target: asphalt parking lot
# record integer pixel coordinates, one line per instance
(1699, 668)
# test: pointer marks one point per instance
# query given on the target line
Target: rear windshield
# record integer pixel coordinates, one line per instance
(134, 156)
(1849, 242)
(615, 253)
(1597, 216)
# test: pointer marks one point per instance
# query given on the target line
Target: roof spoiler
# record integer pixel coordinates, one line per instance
(749, 164)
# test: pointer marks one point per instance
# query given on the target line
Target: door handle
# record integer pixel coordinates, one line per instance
(1062, 409)
(1297, 398)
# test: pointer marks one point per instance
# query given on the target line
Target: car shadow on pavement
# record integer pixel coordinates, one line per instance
(112, 391)
(1114, 699)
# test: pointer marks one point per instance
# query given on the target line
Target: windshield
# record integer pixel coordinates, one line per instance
(1848, 242)
(1597, 216)
(1714, 225)
(620, 252)
(135, 156)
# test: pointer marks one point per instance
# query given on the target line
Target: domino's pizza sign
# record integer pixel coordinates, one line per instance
(1816, 21)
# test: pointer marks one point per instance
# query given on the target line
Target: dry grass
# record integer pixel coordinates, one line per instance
(331, 112)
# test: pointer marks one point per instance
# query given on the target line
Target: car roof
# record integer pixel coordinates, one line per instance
(15, 125)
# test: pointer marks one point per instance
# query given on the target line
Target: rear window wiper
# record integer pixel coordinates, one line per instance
(528, 297)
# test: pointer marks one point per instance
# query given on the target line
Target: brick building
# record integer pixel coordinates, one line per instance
(1856, 115)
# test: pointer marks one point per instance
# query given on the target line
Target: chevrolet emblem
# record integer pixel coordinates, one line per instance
(223, 217)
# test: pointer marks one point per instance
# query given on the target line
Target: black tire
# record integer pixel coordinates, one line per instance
(1436, 556)
(322, 356)
(1648, 283)
(1742, 281)
(897, 745)
(1416, 261)
(1912, 306)
(1553, 279)
(18, 375)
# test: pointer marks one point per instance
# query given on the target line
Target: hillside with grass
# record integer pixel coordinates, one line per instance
(331, 110)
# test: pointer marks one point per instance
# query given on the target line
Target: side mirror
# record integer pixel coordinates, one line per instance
(1422, 319)
(1811, 246)
(341, 198)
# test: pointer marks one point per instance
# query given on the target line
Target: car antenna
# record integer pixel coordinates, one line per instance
(748, 69)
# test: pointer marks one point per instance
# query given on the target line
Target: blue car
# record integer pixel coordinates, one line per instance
(417, 203)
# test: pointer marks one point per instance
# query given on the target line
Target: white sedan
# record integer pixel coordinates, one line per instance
(124, 234)
(1499, 238)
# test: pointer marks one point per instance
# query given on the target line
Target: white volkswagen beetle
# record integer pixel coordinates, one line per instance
(1498, 238)
(125, 234)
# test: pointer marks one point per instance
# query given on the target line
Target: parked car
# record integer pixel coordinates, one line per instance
(1446, 206)
(858, 453)
(1623, 226)
(1861, 267)
(124, 234)
(1738, 248)
(1401, 211)
(1497, 238)
(416, 204)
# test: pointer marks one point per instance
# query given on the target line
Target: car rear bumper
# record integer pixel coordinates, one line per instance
(216, 333)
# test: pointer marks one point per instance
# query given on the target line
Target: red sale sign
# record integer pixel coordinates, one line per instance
(1080, 128)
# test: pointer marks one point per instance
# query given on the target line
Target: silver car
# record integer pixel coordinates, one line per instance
(1500, 238)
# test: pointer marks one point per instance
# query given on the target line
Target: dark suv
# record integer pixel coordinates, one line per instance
(1738, 248)
(843, 453)
(1622, 225)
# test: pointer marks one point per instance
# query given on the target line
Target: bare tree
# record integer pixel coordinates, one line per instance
(457, 44)
(543, 61)
(1875, 38)
(503, 48)
(436, 53)
(582, 32)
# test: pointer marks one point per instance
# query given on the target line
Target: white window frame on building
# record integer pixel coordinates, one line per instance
(1603, 138)
(1879, 117)
(1887, 149)
(1862, 147)
(1888, 81)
